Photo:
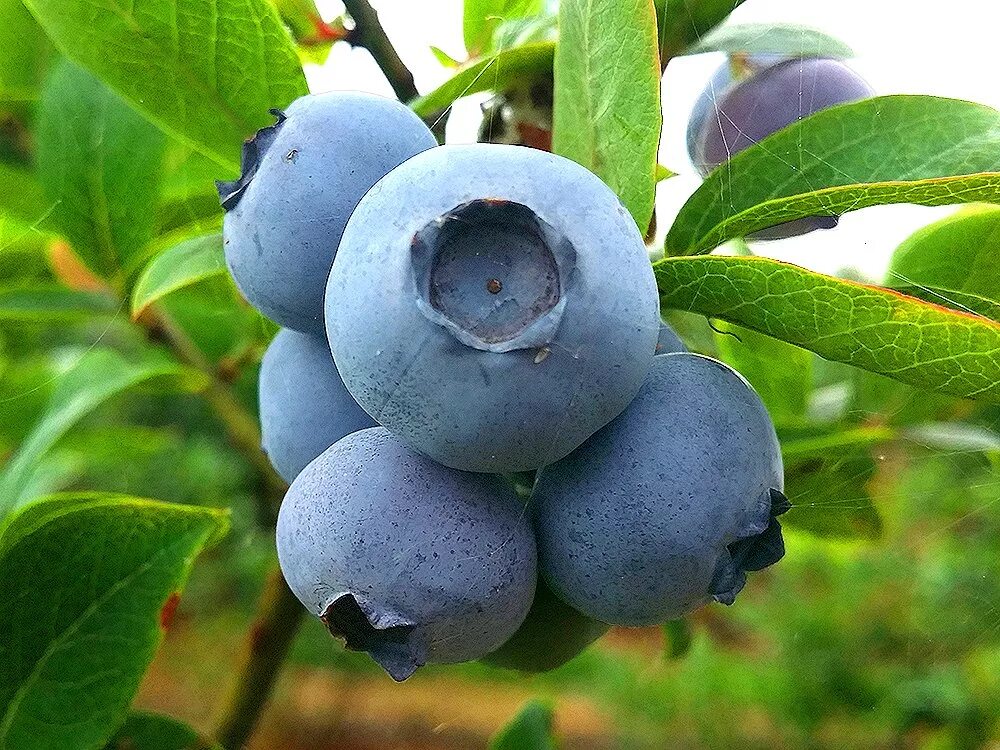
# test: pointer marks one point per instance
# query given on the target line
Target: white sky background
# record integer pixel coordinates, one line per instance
(902, 47)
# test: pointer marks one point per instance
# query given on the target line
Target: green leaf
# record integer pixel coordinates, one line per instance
(779, 372)
(26, 53)
(205, 72)
(677, 638)
(683, 22)
(519, 31)
(875, 329)
(96, 377)
(444, 58)
(21, 198)
(892, 149)
(960, 301)
(181, 265)
(606, 113)
(480, 19)
(771, 38)
(88, 582)
(50, 302)
(956, 256)
(100, 163)
(146, 731)
(953, 437)
(531, 729)
(664, 173)
(492, 73)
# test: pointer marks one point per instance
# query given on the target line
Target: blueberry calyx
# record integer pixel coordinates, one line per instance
(230, 191)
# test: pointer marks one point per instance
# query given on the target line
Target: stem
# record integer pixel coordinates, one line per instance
(368, 33)
(279, 615)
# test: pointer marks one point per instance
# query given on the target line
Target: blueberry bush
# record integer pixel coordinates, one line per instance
(303, 388)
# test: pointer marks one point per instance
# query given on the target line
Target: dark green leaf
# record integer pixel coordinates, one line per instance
(207, 73)
(531, 729)
(771, 38)
(178, 266)
(51, 302)
(779, 372)
(145, 731)
(677, 638)
(87, 581)
(481, 18)
(492, 73)
(684, 22)
(99, 162)
(606, 113)
(879, 330)
(96, 377)
(891, 149)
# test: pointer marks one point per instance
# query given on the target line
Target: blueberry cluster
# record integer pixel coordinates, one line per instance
(507, 451)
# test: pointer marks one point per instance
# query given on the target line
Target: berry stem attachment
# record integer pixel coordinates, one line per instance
(368, 33)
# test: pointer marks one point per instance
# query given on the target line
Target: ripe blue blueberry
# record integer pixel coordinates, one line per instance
(304, 406)
(551, 635)
(492, 305)
(302, 178)
(404, 558)
(669, 505)
(751, 97)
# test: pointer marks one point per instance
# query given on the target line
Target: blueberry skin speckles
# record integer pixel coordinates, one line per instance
(668, 506)
(302, 178)
(409, 560)
(304, 406)
(516, 309)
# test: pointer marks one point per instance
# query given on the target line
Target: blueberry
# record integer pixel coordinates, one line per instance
(669, 505)
(406, 559)
(304, 406)
(668, 341)
(301, 179)
(516, 309)
(552, 634)
(752, 97)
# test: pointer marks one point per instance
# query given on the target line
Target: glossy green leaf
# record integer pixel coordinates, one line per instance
(99, 162)
(531, 729)
(606, 113)
(958, 301)
(87, 580)
(493, 73)
(684, 22)
(957, 255)
(205, 72)
(146, 731)
(480, 19)
(178, 266)
(26, 53)
(771, 38)
(97, 376)
(779, 372)
(892, 149)
(50, 302)
(879, 330)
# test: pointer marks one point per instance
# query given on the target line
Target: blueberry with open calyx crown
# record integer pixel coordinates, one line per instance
(304, 406)
(302, 178)
(669, 505)
(404, 558)
(517, 311)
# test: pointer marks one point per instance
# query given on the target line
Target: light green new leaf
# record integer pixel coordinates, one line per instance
(183, 264)
(50, 302)
(606, 113)
(892, 149)
(531, 729)
(771, 38)
(879, 330)
(96, 377)
(87, 582)
(779, 372)
(480, 19)
(684, 22)
(146, 731)
(99, 162)
(207, 72)
(958, 254)
(492, 73)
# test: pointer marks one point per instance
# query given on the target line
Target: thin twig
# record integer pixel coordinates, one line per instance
(368, 33)
(279, 615)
